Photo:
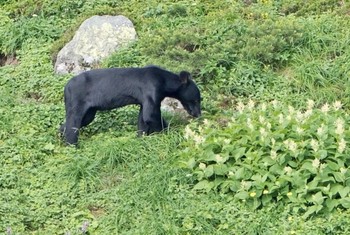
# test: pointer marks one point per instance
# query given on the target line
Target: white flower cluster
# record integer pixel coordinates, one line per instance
(273, 155)
(202, 166)
(274, 104)
(321, 130)
(341, 145)
(264, 126)
(240, 107)
(190, 134)
(316, 163)
(337, 105)
(314, 145)
(325, 108)
(291, 145)
(219, 159)
(250, 124)
(339, 126)
(288, 170)
(310, 104)
(251, 105)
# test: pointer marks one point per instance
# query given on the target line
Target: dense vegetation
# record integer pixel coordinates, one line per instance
(251, 165)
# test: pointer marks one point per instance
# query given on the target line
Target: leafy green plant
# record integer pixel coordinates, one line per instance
(275, 153)
(301, 8)
(15, 33)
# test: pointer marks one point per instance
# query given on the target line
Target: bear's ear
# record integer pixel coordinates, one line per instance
(184, 77)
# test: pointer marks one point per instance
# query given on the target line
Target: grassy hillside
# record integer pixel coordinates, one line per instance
(115, 183)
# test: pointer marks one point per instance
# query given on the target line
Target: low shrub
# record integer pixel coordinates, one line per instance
(274, 153)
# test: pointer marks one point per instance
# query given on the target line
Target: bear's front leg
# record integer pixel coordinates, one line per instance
(151, 117)
(144, 129)
(71, 133)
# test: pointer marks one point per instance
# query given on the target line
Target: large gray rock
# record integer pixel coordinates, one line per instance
(96, 38)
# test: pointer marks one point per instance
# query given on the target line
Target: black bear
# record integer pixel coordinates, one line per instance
(105, 89)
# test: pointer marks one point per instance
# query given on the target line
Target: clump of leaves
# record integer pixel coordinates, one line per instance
(274, 153)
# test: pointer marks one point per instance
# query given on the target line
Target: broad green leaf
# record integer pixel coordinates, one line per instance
(292, 164)
(331, 204)
(285, 190)
(225, 185)
(209, 171)
(238, 153)
(268, 161)
(325, 190)
(318, 198)
(235, 186)
(256, 203)
(244, 140)
(322, 154)
(298, 180)
(296, 210)
(282, 159)
(312, 210)
(335, 188)
(218, 181)
(271, 177)
(266, 198)
(293, 197)
(274, 188)
(286, 178)
(191, 163)
(239, 174)
(276, 169)
(343, 192)
(333, 166)
(339, 177)
(203, 185)
(308, 166)
(257, 178)
(327, 179)
(199, 174)
(242, 195)
(313, 184)
(220, 169)
(345, 202)
(208, 156)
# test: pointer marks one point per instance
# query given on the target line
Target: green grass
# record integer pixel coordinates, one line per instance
(120, 184)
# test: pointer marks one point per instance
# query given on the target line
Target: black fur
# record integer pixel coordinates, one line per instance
(105, 89)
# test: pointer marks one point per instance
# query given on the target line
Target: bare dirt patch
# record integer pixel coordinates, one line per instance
(8, 60)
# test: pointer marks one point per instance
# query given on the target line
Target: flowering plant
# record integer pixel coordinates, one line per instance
(274, 153)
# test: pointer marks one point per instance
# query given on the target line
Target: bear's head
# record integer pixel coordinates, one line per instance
(189, 94)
